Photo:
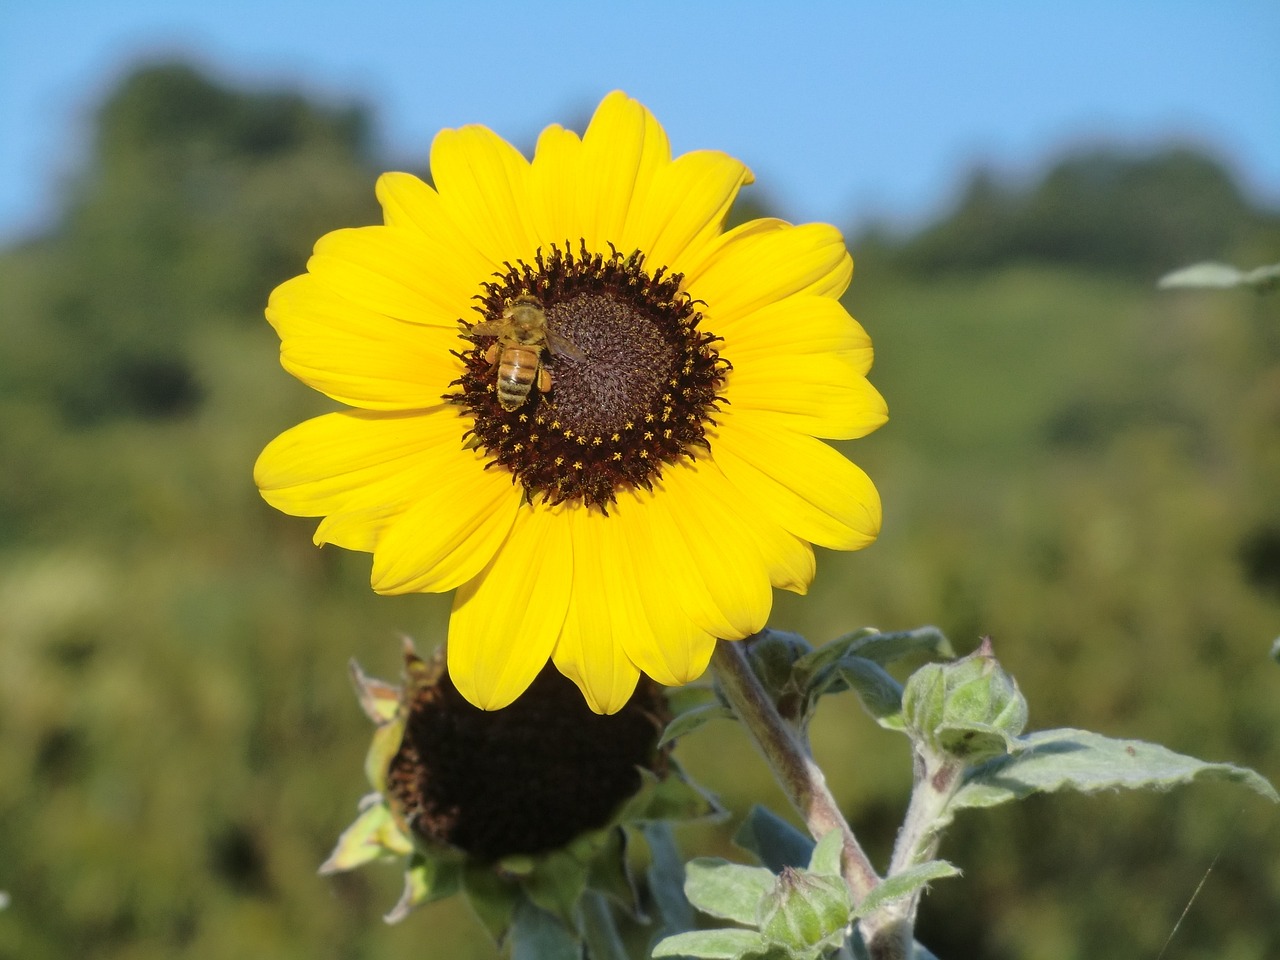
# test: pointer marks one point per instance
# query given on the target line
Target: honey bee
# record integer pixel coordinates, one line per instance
(522, 334)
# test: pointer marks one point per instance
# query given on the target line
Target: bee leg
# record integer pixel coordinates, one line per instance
(491, 355)
(544, 380)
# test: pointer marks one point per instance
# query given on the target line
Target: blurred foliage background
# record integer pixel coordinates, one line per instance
(1077, 464)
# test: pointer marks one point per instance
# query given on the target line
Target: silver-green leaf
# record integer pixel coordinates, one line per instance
(712, 944)
(1067, 759)
(727, 890)
(904, 884)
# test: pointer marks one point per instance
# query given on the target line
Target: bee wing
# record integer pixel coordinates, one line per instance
(562, 346)
(488, 328)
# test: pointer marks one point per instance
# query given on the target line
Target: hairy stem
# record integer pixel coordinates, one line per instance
(793, 768)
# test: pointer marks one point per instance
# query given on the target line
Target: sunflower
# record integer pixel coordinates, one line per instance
(580, 402)
(535, 803)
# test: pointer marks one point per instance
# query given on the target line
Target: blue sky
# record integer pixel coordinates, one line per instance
(845, 111)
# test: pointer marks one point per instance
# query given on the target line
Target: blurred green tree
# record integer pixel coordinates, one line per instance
(1099, 210)
(197, 199)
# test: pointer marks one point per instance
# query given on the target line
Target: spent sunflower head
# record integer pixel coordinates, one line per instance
(579, 401)
(529, 804)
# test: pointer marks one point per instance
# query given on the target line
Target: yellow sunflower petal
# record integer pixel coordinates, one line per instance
(390, 271)
(789, 559)
(713, 568)
(317, 467)
(483, 184)
(622, 149)
(745, 271)
(553, 184)
(506, 621)
(602, 611)
(359, 357)
(461, 517)
(800, 326)
(801, 483)
(655, 632)
(409, 204)
(821, 394)
(684, 207)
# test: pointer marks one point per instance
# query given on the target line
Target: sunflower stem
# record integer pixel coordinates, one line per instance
(793, 767)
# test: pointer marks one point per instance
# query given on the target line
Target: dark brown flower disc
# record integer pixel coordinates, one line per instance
(635, 390)
(525, 779)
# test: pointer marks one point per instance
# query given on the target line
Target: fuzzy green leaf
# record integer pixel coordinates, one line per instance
(881, 648)
(878, 692)
(691, 720)
(712, 944)
(775, 841)
(666, 879)
(904, 884)
(1067, 759)
(890, 647)
(825, 859)
(536, 935)
(726, 890)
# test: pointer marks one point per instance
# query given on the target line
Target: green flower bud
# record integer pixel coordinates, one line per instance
(970, 708)
(806, 910)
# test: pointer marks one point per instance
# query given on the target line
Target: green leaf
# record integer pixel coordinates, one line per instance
(712, 944)
(599, 930)
(536, 935)
(726, 890)
(856, 661)
(666, 879)
(904, 884)
(890, 647)
(811, 664)
(825, 859)
(691, 720)
(671, 798)
(1221, 276)
(492, 899)
(373, 836)
(776, 842)
(426, 879)
(878, 692)
(878, 647)
(608, 871)
(557, 883)
(1051, 760)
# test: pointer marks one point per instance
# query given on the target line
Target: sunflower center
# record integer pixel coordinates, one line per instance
(587, 375)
